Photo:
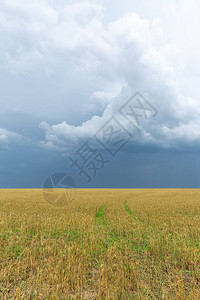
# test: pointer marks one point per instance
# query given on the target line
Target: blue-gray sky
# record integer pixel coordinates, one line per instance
(67, 67)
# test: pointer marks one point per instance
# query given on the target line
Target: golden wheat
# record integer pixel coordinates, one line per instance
(106, 244)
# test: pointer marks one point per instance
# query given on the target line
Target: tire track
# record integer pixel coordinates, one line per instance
(99, 218)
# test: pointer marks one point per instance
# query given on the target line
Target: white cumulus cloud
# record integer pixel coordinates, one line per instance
(113, 59)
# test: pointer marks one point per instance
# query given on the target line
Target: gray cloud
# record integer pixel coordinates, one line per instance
(70, 48)
(3, 142)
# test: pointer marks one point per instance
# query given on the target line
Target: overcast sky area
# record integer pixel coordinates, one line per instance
(107, 92)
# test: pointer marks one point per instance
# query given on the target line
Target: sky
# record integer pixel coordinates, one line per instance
(106, 92)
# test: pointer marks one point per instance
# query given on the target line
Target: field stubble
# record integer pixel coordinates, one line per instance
(106, 244)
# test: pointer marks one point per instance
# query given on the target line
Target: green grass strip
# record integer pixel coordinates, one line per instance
(130, 213)
(99, 218)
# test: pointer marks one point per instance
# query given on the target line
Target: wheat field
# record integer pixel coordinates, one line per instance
(105, 244)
